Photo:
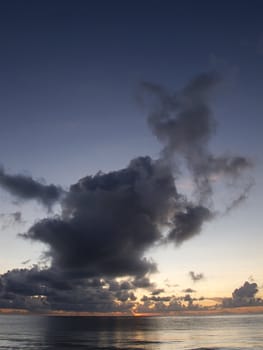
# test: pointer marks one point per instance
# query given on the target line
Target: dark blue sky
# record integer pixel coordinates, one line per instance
(73, 69)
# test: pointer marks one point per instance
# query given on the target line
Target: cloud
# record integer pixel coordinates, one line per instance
(167, 304)
(244, 296)
(157, 291)
(184, 124)
(11, 219)
(25, 262)
(189, 290)
(156, 298)
(189, 300)
(37, 290)
(195, 277)
(17, 216)
(240, 199)
(26, 188)
(142, 282)
(182, 121)
(110, 221)
(248, 290)
(188, 223)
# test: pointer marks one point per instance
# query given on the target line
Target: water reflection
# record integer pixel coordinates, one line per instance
(155, 333)
(102, 332)
(131, 333)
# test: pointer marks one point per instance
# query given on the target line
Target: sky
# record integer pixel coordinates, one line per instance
(131, 155)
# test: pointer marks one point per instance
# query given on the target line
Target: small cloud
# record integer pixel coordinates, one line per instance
(17, 216)
(189, 290)
(240, 199)
(244, 296)
(196, 276)
(26, 188)
(247, 290)
(11, 219)
(26, 262)
(157, 291)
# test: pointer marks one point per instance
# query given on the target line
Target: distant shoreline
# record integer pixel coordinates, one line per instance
(251, 310)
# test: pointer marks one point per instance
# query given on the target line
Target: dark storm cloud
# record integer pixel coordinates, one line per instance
(109, 221)
(184, 123)
(195, 277)
(25, 187)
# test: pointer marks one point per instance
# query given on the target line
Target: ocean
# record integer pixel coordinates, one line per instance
(131, 333)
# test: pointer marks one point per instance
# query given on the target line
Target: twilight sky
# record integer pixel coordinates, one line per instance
(131, 154)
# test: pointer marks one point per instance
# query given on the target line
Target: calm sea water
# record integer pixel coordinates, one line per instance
(131, 333)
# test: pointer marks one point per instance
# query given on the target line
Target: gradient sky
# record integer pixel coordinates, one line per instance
(70, 77)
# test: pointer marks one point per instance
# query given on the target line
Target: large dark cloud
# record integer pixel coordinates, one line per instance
(109, 221)
(25, 187)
